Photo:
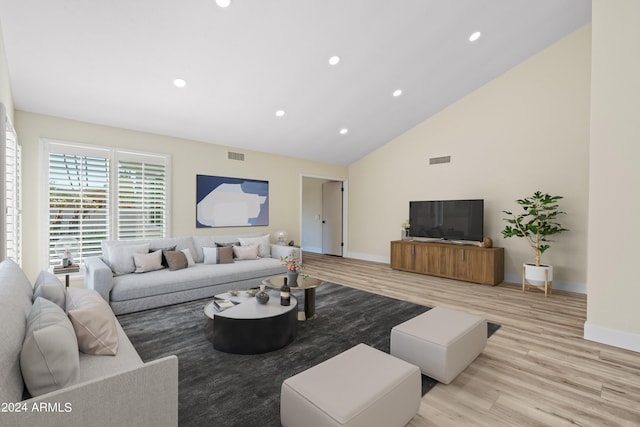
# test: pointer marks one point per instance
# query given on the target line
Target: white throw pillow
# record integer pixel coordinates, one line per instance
(264, 247)
(245, 252)
(121, 257)
(190, 261)
(148, 262)
(218, 255)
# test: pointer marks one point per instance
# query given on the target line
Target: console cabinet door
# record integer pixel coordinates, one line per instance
(403, 255)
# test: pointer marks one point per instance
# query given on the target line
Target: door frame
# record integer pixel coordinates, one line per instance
(345, 203)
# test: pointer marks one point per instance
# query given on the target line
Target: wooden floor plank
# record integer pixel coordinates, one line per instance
(535, 370)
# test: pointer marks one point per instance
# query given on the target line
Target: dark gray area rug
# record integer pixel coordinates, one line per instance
(222, 389)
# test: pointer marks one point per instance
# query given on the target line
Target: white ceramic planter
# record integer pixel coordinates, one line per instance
(535, 275)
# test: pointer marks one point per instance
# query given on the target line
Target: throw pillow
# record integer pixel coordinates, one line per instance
(148, 262)
(121, 257)
(246, 252)
(49, 359)
(49, 287)
(222, 255)
(187, 254)
(93, 322)
(176, 260)
(264, 247)
(168, 248)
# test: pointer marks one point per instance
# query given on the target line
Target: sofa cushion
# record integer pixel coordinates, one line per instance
(246, 252)
(148, 262)
(119, 256)
(93, 322)
(161, 282)
(49, 358)
(15, 305)
(51, 288)
(176, 260)
(264, 247)
(218, 255)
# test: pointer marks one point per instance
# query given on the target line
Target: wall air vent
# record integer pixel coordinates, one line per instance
(235, 156)
(439, 160)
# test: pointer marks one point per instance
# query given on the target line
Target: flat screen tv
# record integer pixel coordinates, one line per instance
(447, 219)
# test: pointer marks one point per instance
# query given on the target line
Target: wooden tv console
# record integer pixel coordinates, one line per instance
(460, 262)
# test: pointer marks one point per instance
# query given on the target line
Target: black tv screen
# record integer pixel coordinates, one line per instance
(447, 219)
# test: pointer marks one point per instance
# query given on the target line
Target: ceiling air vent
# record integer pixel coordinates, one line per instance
(235, 156)
(439, 160)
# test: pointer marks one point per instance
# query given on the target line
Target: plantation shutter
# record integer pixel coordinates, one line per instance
(142, 196)
(11, 193)
(78, 202)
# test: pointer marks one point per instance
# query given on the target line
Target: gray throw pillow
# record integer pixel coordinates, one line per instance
(148, 262)
(51, 288)
(49, 359)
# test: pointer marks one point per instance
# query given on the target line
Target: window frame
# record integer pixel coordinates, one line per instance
(112, 154)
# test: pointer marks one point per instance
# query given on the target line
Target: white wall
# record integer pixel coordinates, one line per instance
(5, 84)
(189, 158)
(527, 130)
(613, 315)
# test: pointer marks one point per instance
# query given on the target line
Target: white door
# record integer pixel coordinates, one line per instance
(332, 218)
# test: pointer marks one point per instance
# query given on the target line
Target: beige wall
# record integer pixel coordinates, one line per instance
(5, 83)
(613, 315)
(527, 130)
(188, 159)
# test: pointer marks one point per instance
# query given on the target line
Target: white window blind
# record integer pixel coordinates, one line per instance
(78, 204)
(13, 194)
(141, 198)
(98, 194)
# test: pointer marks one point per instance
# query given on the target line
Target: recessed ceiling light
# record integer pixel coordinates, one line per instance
(334, 60)
(397, 93)
(344, 131)
(180, 83)
(223, 3)
(475, 36)
(280, 113)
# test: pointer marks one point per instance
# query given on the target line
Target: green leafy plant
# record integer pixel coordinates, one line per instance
(536, 223)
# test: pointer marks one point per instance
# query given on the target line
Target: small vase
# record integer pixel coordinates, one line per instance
(292, 277)
(262, 296)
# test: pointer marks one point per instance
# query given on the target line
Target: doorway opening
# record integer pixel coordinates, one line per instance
(323, 214)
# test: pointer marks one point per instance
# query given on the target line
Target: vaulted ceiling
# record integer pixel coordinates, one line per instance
(114, 63)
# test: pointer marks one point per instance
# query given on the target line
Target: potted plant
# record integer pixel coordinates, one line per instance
(294, 266)
(536, 223)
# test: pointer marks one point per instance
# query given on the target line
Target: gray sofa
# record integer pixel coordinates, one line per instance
(105, 390)
(132, 292)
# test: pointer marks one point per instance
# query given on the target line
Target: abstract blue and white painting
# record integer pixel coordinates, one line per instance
(231, 202)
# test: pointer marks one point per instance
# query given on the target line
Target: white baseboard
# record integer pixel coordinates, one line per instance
(313, 249)
(626, 340)
(368, 257)
(579, 288)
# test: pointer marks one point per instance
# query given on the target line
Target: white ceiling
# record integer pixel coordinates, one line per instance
(112, 62)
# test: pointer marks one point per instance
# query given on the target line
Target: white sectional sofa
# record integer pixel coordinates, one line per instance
(72, 388)
(132, 292)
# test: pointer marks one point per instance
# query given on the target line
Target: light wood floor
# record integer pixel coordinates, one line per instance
(535, 370)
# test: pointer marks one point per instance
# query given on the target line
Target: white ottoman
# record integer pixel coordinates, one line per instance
(442, 342)
(359, 387)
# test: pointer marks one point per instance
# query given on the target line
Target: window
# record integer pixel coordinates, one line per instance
(11, 205)
(96, 194)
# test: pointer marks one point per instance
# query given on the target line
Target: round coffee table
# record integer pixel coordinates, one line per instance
(250, 327)
(308, 283)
